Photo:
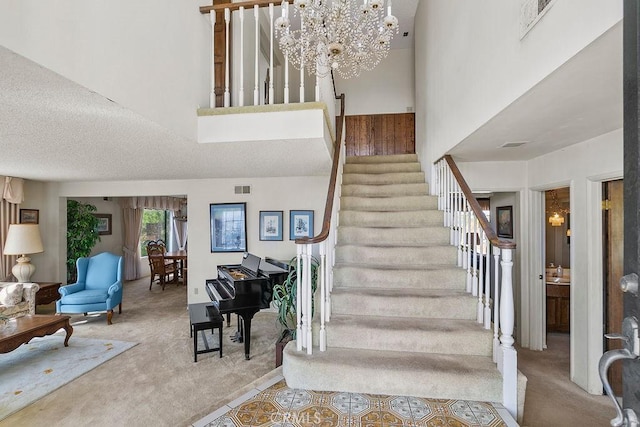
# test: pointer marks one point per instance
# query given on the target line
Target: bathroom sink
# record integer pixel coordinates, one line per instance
(559, 280)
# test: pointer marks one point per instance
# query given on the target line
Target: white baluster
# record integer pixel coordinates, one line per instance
(302, 66)
(474, 255)
(256, 87)
(271, 42)
(496, 303)
(227, 95)
(467, 241)
(323, 292)
(487, 282)
(241, 91)
(509, 366)
(212, 93)
(438, 168)
(309, 297)
(461, 231)
(299, 329)
(447, 198)
(480, 271)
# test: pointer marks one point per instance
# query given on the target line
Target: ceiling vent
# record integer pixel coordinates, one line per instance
(242, 189)
(513, 144)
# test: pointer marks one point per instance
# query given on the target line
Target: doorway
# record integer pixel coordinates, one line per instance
(613, 259)
(558, 261)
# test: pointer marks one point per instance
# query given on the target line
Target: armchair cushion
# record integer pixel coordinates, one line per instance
(88, 296)
(11, 295)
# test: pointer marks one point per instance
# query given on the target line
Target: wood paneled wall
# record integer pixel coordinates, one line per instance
(377, 134)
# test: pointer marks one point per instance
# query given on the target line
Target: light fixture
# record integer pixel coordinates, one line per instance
(343, 35)
(556, 219)
(23, 239)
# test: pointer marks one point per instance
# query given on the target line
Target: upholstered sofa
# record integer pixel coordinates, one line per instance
(26, 306)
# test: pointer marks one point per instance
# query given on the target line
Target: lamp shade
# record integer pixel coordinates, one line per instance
(23, 239)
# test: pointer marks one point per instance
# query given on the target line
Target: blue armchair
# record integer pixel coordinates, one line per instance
(98, 288)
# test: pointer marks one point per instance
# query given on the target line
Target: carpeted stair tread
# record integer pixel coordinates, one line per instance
(367, 236)
(439, 376)
(383, 256)
(373, 168)
(429, 277)
(443, 336)
(387, 190)
(392, 158)
(404, 302)
(383, 178)
(389, 204)
(428, 218)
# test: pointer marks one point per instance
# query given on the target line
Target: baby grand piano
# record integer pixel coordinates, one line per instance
(244, 289)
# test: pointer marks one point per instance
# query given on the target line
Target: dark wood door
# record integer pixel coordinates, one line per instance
(376, 134)
(613, 221)
(631, 77)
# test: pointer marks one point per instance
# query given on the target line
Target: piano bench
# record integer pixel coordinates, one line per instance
(204, 316)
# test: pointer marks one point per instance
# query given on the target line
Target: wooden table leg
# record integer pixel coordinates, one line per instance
(69, 329)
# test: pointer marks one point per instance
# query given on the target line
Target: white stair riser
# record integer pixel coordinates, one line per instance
(439, 307)
(392, 219)
(453, 278)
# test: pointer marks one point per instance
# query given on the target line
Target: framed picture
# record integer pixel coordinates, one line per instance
(504, 216)
(270, 225)
(29, 216)
(300, 224)
(228, 227)
(104, 223)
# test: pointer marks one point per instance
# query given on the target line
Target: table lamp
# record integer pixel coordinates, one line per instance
(23, 239)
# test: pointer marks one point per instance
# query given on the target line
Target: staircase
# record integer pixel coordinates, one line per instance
(401, 320)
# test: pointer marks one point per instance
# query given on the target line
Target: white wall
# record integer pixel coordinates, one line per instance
(388, 88)
(471, 62)
(583, 167)
(151, 57)
(293, 193)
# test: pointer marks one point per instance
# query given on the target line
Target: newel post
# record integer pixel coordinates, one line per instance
(509, 360)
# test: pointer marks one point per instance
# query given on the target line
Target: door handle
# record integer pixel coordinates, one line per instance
(629, 283)
(631, 350)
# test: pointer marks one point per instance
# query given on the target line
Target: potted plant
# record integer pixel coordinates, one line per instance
(82, 234)
(284, 297)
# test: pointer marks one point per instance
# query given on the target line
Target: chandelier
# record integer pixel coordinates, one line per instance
(556, 219)
(343, 35)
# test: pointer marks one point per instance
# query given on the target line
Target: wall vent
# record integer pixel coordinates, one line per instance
(242, 189)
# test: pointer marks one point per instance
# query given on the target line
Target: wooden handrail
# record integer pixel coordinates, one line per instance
(475, 207)
(236, 6)
(328, 208)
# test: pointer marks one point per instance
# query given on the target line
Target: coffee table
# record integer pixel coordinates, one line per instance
(21, 330)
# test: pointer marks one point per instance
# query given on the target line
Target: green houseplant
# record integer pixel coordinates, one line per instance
(82, 234)
(284, 297)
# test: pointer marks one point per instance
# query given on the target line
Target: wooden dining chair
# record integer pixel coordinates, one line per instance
(161, 268)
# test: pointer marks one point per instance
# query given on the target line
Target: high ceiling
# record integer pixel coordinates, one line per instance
(52, 129)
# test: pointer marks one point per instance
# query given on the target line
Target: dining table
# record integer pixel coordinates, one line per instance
(180, 256)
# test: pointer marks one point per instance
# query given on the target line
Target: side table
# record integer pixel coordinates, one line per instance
(203, 316)
(47, 293)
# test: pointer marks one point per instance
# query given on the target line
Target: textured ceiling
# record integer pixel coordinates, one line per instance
(52, 129)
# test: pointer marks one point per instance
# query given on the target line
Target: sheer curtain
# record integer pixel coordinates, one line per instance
(12, 195)
(132, 210)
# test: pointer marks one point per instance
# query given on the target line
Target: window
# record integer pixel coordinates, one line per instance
(154, 226)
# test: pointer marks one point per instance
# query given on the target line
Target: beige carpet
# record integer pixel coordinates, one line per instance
(156, 383)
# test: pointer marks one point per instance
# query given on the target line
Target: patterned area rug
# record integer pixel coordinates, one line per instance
(36, 369)
(280, 406)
